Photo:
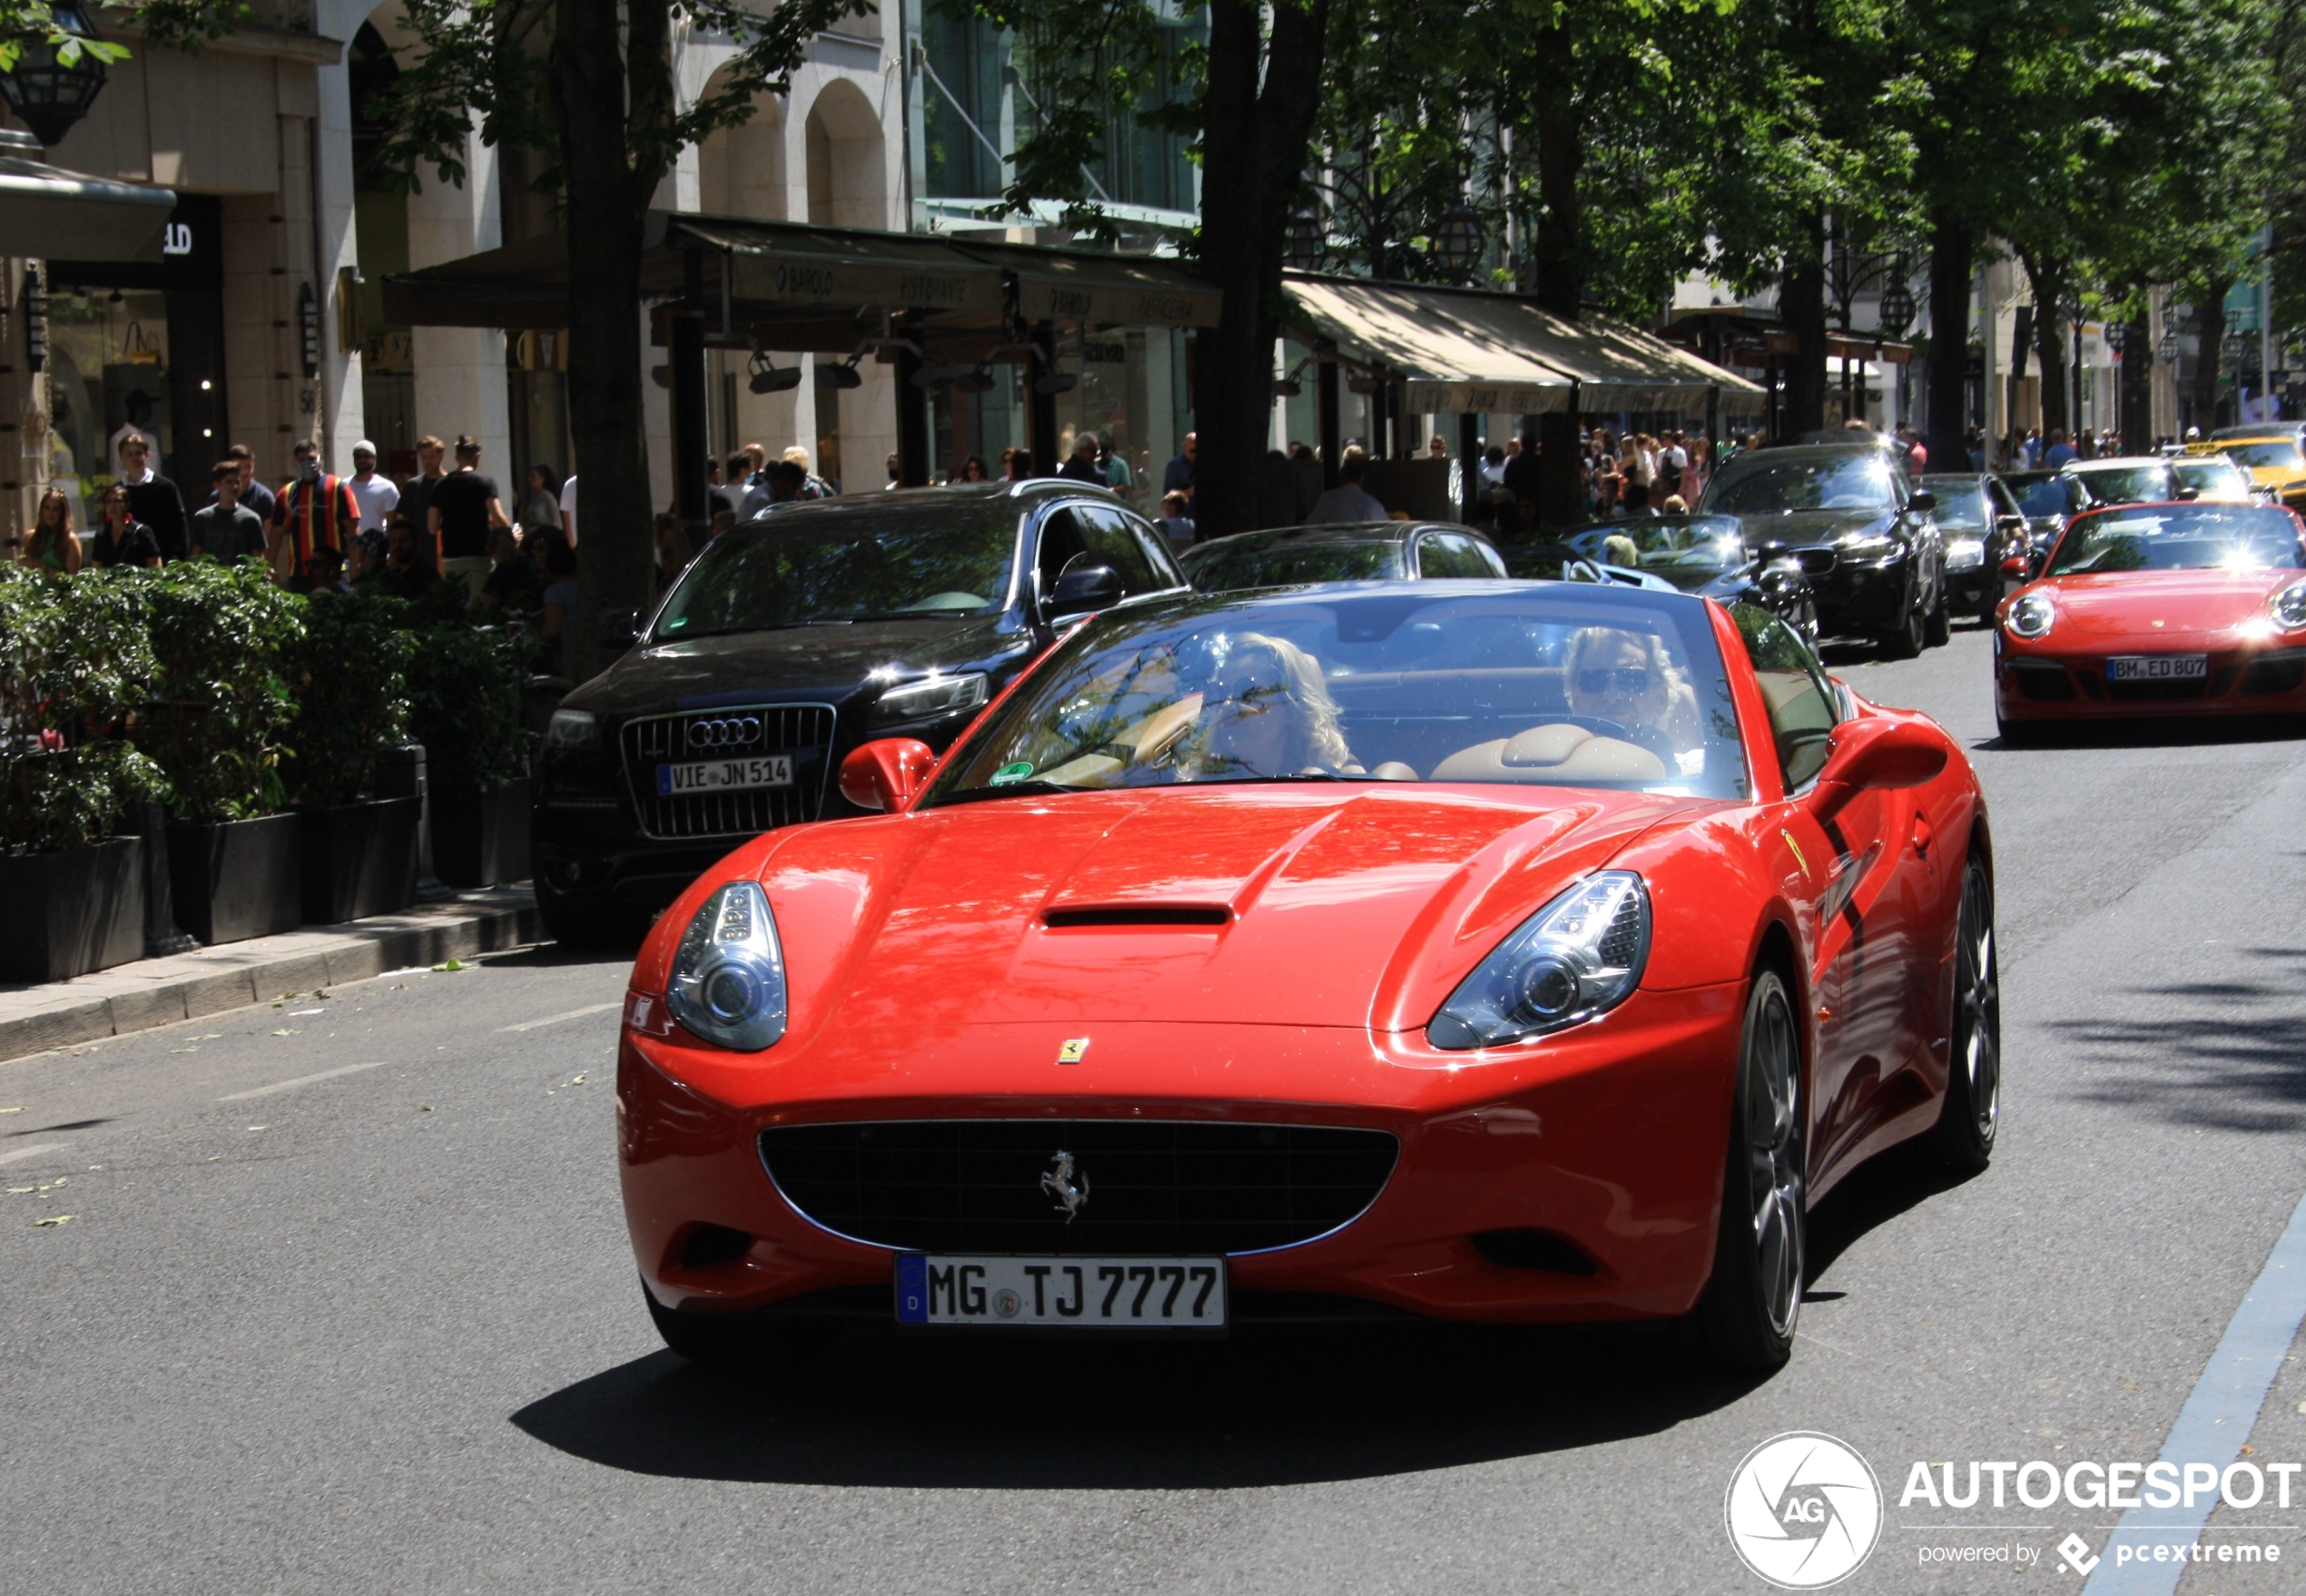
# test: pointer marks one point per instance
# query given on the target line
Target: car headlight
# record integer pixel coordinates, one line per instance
(1579, 956)
(728, 978)
(2031, 617)
(572, 728)
(938, 696)
(1880, 546)
(1964, 554)
(2290, 606)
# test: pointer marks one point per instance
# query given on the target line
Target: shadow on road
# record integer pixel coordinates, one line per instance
(1262, 1409)
(552, 956)
(1878, 1191)
(2201, 730)
(2244, 1071)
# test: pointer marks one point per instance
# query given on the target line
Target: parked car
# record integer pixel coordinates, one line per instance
(2048, 499)
(1708, 556)
(792, 639)
(1357, 551)
(1985, 530)
(1888, 577)
(2219, 480)
(2126, 478)
(2269, 452)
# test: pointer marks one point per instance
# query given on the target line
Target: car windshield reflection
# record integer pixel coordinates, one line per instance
(786, 571)
(1687, 551)
(1551, 686)
(2180, 538)
(1782, 487)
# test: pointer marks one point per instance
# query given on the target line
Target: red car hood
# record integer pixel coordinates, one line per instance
(1328, 896)
(2159, 610)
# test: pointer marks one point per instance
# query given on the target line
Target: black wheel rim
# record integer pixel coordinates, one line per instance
(1773, 1152)
(1978, 1036)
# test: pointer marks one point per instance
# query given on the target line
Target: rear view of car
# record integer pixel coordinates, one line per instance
(1984, 530)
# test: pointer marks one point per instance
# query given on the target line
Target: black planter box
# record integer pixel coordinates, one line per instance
(360, 859)
(71, 913)
(480, 835)
(241, 879)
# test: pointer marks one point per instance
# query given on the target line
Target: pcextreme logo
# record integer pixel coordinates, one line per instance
(1803, 1510)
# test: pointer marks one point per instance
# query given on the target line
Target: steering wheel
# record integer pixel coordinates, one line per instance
(1648, 737)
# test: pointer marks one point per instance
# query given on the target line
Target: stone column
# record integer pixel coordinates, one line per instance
(460, 370)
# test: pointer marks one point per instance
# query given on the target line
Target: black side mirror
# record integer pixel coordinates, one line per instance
(1083, 588)
(620, 629)
(1922, 498)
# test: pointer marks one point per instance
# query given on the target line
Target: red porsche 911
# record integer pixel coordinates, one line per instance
(1496, 951)
(2158, 609)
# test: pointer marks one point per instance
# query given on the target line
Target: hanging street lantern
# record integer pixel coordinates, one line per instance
(1896, 313)
(2167, 351)
(47, 92)
(1457, 241)
(1307, 241)
(2117, 333)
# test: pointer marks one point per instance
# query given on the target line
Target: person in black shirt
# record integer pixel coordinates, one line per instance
(254, 495)
(122, 540)
(153, 498)
(225, 530)
(729, 494)
(512, 586)
(407, 564)
(463, 510)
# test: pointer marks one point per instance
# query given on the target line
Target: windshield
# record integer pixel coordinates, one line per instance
(2180, 538)
(2129, 484)
(2211, 479)
(1217, 568)
(797, 571)
(2045, 493)
(1961, 503)
(2279, 454)
(1687, 551)
(1759, 485)
(1549, 685)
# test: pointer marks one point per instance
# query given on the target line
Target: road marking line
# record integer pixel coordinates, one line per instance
(2220, 1415)
(281, 1086)
(46, 1147)
(557, 1019)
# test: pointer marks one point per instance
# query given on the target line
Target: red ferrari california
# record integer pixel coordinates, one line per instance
(2158, 609)
(1473, 950)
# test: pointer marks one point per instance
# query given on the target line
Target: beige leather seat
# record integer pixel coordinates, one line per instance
(1561, 756)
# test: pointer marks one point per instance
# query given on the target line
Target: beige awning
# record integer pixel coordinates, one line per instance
(1460, 351)
(55, 215)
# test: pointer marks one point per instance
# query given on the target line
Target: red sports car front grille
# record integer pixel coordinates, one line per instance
(1145, 1186)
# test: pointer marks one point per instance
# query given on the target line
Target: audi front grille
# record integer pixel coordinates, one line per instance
(1144, 1186)
(802, 731)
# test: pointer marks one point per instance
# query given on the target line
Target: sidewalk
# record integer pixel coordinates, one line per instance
(236, 975)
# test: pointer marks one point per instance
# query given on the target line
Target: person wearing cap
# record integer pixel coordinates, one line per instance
(375, 496)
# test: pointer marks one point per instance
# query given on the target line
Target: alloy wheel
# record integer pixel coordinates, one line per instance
(1773, 1150)
(1978, 1008)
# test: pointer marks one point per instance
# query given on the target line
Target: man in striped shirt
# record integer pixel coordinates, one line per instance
(315, 511)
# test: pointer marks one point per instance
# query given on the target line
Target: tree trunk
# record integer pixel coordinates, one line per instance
(1558, 249)
(1953, 251)
(2048, 280)
(1256, 129)
(1801, 307)
(618, 570)
(2210, 336)
(2137, 389)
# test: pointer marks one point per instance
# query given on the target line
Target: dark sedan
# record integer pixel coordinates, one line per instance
(1979, 518)
(1357, 551)
(1888, 578)
(786, 642)
(1708, 556)
(2048, 500)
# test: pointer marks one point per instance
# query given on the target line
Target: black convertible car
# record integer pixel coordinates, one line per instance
(1708, 556)
(786, 642)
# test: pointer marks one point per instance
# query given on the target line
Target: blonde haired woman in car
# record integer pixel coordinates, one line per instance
(1628, 679)
(1268, 712)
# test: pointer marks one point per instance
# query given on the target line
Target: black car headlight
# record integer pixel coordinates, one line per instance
(1870, 550)
(728, 979)
(1964, 554)
(1578, 957)
(938, 696)
(572, 728)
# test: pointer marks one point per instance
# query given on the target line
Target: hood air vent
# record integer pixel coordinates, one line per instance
(1085, 915)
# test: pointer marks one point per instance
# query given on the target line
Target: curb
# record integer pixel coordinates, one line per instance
(161, 992)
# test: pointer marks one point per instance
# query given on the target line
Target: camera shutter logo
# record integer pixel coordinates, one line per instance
(1803, 1510)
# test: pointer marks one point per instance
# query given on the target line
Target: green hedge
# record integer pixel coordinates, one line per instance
(225, 696)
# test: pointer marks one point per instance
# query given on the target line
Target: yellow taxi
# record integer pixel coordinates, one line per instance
(2269, 452)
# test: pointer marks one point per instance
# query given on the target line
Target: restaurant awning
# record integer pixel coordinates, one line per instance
(47, 212)
(791, 287)
(1461, 350)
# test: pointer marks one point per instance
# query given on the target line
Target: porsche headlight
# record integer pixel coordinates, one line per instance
(2290, 606)
(1579, 956)
(2031, 617)
(572, 728)
(938, 696)
(728, 978)
(1964, 554)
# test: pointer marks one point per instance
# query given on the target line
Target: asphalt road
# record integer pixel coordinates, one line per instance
(380, 1330)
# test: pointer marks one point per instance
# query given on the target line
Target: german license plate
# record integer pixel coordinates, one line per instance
(1072, 1294)
(713, 775)
(2156, 667)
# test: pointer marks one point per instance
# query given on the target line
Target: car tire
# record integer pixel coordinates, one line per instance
(713, 1340)
(1744, 1323)
(1908, 637)
(2016, 734)
(1937, 626)
(1971, 1116)
(579, 925)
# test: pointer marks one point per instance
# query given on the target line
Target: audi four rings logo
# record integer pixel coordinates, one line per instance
(733, 731)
